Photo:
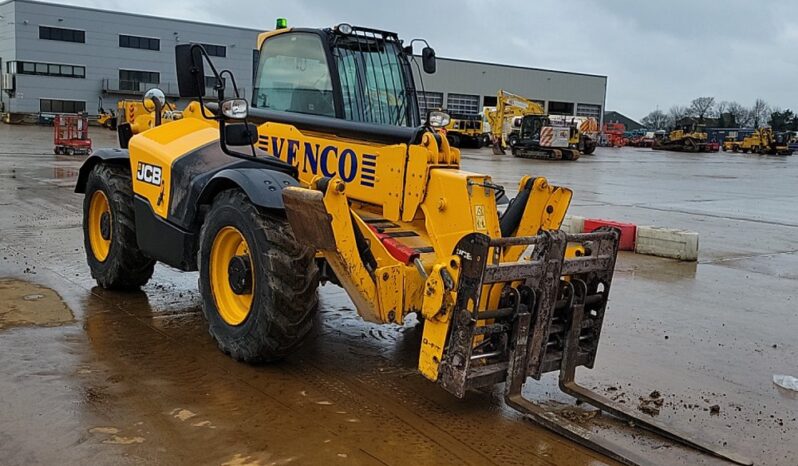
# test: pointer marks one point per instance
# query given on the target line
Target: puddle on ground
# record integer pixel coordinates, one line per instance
(23, 303)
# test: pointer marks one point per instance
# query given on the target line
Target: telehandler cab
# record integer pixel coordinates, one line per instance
(330, 176)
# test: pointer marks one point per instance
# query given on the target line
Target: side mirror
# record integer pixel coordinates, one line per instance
(240, 134)
(428, 60)
(235, 109)
(190, 71)
(154, 99)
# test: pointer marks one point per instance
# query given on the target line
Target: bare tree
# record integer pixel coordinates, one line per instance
(720, 109)
(739, 114)
(655, 120)
(759, 113)
(701, 107)
(676, 113)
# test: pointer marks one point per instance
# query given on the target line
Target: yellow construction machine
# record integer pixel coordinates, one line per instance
(524, 125)
(762, 141)
(730, 144)
(464, 130)
(330, 176)
(105, 118)
(688, 138)
(135, 116)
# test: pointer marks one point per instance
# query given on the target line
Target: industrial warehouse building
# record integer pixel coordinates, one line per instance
(62, 59)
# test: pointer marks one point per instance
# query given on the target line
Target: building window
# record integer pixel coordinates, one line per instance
(64, 35)
(463, 104)
(61, 106)
(46, 69)
(489, 101)
(589, 110)
(215, 50)
(561, 108)
(210, 81)
(133, 80)
(135, 42)
(429, 101)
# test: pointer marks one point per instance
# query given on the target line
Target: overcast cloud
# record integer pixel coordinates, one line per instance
(654, 53)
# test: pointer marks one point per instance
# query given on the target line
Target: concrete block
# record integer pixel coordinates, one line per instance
(573, 224)
(667, 242)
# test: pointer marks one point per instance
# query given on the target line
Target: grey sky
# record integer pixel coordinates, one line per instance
(654, 53)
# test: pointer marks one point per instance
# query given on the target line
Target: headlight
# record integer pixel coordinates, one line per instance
(438, 119)
(344, 28)
(235, 109)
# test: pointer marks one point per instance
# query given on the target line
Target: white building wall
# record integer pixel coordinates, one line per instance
(7, 44)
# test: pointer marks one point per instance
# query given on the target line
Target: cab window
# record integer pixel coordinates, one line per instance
(294, 76)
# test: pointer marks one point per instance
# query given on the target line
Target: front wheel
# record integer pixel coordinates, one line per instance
(109, 230)
(258, 284)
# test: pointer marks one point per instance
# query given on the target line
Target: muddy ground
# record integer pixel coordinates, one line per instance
(89, 376)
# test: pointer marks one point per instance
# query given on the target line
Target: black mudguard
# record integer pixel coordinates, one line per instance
(262, 186)
(120, 156)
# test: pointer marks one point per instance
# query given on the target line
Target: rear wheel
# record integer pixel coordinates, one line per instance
(109, 230)
(258, 285)
(589, 145)
(454, 140)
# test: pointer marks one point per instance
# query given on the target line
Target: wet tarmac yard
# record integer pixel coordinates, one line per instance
(94, 377)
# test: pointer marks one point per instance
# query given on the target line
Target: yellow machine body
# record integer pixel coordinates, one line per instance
(763, 141)
(140, 118)
(399, 225)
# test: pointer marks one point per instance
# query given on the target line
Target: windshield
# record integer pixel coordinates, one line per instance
(373, 80)
(293, 76)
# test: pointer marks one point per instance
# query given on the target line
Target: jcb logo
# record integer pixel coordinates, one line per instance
(149, 173)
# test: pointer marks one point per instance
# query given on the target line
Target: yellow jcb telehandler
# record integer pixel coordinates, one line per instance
(329, 175)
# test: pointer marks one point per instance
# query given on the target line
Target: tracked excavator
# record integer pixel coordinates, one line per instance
(524, 125)
(328, 175)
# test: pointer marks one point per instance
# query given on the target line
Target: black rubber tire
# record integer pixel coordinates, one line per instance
(589, 146)
(454, 140)
(286, 279)
(126, 267)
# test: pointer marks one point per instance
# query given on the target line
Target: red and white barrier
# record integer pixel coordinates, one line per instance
(649, 240)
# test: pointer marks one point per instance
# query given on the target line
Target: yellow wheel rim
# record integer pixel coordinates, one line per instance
(233, 307)
(99, 228)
